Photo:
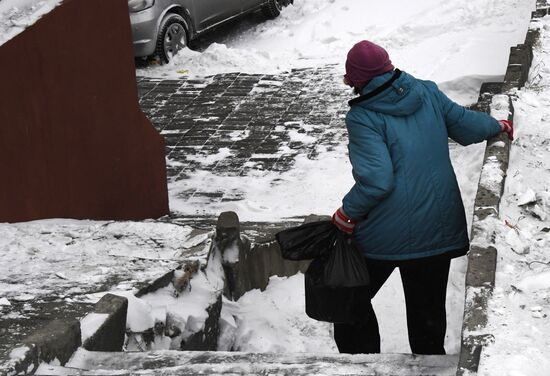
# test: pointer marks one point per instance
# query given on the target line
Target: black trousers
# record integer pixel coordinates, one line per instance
(425, 286)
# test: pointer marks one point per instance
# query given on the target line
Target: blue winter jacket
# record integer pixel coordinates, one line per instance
(406, 198)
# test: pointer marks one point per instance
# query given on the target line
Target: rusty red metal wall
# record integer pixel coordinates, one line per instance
(73, 140)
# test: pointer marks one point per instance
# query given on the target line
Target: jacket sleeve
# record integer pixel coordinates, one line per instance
(372, 168)
(465, 126)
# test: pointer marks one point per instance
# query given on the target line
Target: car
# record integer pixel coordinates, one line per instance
(161, 28)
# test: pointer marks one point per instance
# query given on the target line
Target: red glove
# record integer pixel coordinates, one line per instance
(508, 127)
(343, 222)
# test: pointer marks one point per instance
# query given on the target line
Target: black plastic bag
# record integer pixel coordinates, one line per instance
(336, 282)
(307, 241)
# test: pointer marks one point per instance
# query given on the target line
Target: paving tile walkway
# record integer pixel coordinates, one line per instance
(238, 124)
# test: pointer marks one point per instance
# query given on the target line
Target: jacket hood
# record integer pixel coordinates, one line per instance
(402, 98)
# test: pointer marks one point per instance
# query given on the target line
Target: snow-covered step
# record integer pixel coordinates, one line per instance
(236, 363)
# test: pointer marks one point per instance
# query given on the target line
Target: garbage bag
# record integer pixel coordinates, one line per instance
(337, 285)
(307, 241)
(337, 280)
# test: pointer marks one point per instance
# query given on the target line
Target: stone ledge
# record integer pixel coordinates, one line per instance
(58, 340)
(249, 266)
(482, 260)
(110, 335)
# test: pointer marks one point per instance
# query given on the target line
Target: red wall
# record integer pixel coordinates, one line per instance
(73, 140)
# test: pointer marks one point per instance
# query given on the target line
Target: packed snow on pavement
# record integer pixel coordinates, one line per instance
(458, 45)
(455, 44)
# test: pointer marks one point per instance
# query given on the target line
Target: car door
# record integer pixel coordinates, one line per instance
(250, 4)
(211, 12)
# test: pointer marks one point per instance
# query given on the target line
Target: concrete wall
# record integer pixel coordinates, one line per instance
(255, 263)
(73, 140)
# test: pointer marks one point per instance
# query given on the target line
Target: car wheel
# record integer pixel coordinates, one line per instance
(172, 37)
(273, 8)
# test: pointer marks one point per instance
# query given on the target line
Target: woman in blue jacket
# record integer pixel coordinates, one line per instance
(405, 209)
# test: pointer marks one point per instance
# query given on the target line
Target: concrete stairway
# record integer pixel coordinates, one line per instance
(235, 363)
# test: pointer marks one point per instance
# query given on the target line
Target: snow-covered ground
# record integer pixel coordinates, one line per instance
(520, 308)
(457, 44)
(69, 258)
(433, 39)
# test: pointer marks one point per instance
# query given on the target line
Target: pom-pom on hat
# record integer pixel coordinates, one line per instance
(366, 60)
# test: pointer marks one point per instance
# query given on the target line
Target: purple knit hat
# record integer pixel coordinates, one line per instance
(365, 61)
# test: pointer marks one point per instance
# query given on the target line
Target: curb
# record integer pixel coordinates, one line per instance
(57, 340)
(482, 258)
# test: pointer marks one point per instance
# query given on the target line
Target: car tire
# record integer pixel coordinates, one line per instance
(172, 37)
(273, 8)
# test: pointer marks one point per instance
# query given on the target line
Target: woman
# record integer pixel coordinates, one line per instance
(405, 209)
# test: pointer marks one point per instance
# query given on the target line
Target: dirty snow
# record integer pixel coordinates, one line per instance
(17, 15)
(520, 307)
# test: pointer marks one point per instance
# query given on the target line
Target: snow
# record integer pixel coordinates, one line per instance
(519, 308)
(185, 310)
(212, 158)
(432, 39)
(91, 323)
(459, 45)
(275, 320)
(19, 352)
(17, 15)
(69, 258)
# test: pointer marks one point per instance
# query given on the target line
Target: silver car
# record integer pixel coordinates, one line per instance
(163, 27)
